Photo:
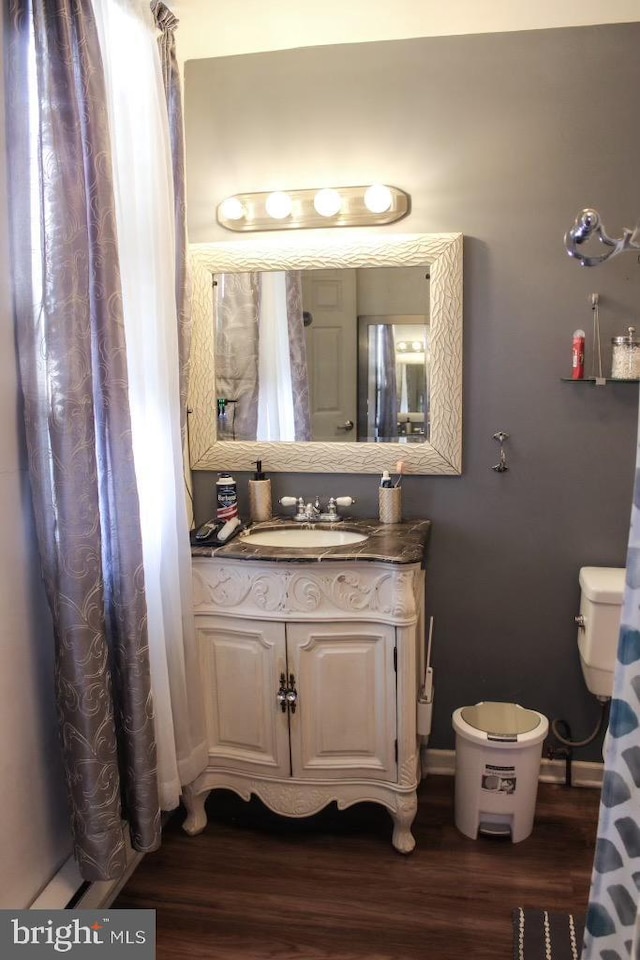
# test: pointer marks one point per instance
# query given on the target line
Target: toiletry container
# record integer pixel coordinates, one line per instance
(389, 500)
(260, 508)
(625, 357)
(601, 595)
(390, 504)
(577, 355)
(226, 497)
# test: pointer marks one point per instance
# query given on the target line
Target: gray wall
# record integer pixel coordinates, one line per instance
(504, 137)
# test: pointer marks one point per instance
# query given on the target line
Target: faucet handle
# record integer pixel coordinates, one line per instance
(345, 501)
(296, 502)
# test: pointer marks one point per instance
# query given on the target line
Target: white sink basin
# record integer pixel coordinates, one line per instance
(292, 537)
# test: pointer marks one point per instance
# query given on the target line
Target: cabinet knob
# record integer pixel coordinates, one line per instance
(292, 694)
(287, 695)
(281, 695)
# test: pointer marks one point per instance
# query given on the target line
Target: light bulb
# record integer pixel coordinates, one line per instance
(417, 346)
(278, 205)
(378, 198)
(231, 209)
(327, 202)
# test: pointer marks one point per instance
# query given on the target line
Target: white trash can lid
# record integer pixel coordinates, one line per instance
(501, 719)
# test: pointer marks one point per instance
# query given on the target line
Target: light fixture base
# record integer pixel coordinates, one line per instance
(352, 212)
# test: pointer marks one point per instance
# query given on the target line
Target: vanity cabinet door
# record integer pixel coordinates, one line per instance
(344, 725)
(241, 662)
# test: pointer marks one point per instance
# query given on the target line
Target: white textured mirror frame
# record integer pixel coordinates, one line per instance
(441, 252)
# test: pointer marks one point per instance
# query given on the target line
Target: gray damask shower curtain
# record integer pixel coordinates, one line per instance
(72, 356)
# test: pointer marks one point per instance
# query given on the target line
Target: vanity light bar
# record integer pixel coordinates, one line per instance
(327, 207)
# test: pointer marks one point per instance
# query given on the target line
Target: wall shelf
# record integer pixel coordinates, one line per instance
(600, 381)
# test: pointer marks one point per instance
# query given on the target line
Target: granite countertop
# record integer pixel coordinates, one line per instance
(404, 542)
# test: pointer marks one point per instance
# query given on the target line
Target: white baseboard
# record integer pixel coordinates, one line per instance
(67, 884)
(583, 772)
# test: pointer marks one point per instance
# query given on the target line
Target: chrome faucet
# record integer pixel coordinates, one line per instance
(312, 510)
(308, 512)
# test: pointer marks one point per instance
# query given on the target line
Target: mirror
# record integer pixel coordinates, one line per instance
(290, 364)
(439, 454)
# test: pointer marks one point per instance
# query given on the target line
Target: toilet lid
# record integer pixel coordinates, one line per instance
(500, 719)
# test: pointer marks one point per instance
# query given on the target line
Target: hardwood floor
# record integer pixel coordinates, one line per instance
(255, 886)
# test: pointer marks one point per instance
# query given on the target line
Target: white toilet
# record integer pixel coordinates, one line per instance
(602, 591)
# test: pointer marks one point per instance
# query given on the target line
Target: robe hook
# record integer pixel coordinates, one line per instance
(501, 466)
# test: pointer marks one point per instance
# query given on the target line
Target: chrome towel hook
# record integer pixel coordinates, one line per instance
(501, 466)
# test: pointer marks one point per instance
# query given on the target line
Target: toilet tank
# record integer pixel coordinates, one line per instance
(602, 590)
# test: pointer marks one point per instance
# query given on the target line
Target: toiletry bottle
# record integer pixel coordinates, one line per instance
(226, 497)
(385, 480)
(577, 355)
(260, 495)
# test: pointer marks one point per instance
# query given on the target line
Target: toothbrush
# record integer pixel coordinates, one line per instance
(399, 471)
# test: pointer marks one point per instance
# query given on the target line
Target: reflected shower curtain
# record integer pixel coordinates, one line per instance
(262, 383)
(387, 387)
(275, 399)
(613, 919)
(298, 357)
(236, 310)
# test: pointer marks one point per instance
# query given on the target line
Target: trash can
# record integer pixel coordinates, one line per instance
(498, 751)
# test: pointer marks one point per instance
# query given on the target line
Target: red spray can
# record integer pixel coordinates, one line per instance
(577, 355)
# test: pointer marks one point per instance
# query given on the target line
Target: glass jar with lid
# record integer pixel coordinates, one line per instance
(625, 359)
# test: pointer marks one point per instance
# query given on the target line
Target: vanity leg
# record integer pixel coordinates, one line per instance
(403, 816)
(196, 819)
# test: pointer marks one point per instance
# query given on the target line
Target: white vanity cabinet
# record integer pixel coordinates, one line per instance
(310, 674)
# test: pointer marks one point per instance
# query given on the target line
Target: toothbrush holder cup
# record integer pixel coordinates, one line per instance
(390, 504)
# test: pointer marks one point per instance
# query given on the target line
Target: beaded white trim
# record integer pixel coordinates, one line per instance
(547, 937)
(572, 935)
(521, 935)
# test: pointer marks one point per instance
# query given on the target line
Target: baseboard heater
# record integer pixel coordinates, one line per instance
(68, 891)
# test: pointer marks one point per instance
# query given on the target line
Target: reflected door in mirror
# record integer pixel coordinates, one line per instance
(330, 303)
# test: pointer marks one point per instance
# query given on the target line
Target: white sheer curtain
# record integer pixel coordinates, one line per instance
(146, 240)
(275, 405)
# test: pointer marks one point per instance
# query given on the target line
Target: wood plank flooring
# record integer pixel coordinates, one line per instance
(255, 886)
